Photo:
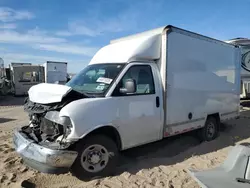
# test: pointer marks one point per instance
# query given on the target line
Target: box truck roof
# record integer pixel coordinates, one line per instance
(148, 33)
(168, 28)
(141, 48)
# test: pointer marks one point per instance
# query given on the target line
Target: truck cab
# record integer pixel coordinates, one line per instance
(124, 95)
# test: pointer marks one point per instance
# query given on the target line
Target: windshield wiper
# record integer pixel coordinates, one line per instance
(93, 94)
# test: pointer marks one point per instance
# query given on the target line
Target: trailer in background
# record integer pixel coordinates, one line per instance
(244, 44)
(25, 75)
(55, 72)
(19, 77)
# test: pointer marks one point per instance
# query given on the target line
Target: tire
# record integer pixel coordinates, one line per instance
(97, 157)
(210, 131)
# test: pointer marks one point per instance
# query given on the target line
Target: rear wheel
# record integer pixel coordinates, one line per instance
(97, 157)
(210, 131)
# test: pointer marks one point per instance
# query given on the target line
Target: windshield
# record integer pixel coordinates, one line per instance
(95, 78)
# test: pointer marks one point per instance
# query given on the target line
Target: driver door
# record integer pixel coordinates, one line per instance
(139, 114)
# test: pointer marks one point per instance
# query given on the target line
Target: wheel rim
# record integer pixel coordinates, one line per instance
(94, 158)
(210, 130)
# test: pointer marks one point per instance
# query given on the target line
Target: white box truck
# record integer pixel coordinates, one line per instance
(136, 90)
(55, 72)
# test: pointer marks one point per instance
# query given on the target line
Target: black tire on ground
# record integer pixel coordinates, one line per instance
(83, 165)
(210, 131)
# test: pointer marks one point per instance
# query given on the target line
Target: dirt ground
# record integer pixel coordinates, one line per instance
(160, 164)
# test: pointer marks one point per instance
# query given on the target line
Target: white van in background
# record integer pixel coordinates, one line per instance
(55, 72)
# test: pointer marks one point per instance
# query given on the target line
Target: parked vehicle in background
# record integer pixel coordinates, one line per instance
(244, 43)
(5, 86)
(25, 75)
(136, 90)
(4, 83)
(55, 72)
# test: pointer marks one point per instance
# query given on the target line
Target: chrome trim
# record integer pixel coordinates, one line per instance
(230, 113)
(186, 122)
(42, 155)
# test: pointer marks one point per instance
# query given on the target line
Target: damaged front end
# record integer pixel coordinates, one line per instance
(42, 143)
(48, 130)
(46, 127)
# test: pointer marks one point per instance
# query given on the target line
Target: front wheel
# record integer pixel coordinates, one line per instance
(97, 157)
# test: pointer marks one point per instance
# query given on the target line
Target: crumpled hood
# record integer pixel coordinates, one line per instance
(46, 93)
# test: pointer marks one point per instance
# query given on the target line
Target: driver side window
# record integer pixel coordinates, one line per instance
(143, 77)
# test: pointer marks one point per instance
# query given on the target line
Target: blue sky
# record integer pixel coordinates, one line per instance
(62, 30)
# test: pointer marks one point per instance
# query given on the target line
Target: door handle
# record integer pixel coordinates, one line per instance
(157, 102)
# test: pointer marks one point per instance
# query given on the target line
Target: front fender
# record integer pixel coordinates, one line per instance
(108, 130)
(87, 132)
(90, 114)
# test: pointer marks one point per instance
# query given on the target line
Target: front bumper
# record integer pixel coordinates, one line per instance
(41, 158)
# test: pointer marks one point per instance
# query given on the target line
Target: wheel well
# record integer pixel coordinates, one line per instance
(217, 117)
(109, 131)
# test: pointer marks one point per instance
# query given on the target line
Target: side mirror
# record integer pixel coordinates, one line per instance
(130, 87)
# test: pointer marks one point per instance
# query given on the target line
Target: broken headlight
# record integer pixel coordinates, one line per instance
(65, 121)
(54, 117)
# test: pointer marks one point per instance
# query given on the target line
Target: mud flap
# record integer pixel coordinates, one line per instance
(233, 173)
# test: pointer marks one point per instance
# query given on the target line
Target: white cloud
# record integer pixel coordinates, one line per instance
(39, 39)
(80, 28)
(8, 26)
(64, 33)
(37, 31)
(92, 27)
(68, 48)
(9, 14)
(128, 19)
(27, 38)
